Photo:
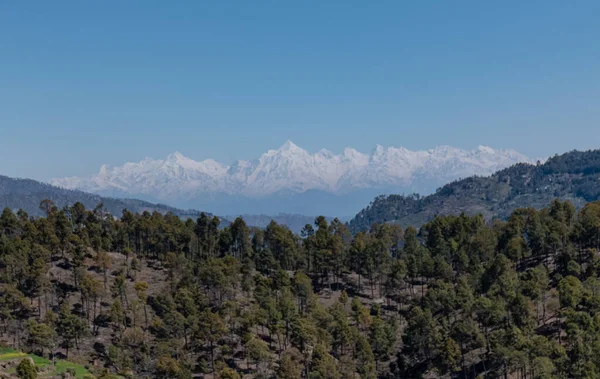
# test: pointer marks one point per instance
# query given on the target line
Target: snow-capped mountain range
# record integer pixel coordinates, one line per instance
(291, 170)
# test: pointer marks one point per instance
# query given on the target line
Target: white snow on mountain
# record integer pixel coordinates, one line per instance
(295, 170)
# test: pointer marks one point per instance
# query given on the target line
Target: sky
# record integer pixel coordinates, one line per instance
(83, 83)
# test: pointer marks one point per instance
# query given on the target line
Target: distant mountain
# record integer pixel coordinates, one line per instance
(290, 179)
(27, 194)
(573, 176)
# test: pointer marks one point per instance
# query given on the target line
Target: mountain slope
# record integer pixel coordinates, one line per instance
(27, 194)
(573, 176)
(288, 171)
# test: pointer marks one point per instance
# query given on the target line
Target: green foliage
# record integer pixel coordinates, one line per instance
(571, 292)
(456, 297)
(168, 367)
(289, 368)
(40, 336)
(43, 364)
(324, 366)
(228, 373)
(26, 369)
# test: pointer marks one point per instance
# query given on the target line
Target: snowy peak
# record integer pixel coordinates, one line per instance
(292, 169)
(289, 146)
(175, 157)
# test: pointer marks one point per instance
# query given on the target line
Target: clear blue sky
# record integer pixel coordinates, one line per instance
(89, 82)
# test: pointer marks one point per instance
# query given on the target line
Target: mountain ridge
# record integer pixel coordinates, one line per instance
(179, 180)
(572, 176)
(26, 194)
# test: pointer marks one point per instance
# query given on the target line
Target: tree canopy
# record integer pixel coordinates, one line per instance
(154, 295)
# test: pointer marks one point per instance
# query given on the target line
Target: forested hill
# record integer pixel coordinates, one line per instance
(574, 176)
(152, 296)
(27, 194)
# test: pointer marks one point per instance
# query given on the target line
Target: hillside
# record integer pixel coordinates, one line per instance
(27, 194)
(573, 176)
(150, 296)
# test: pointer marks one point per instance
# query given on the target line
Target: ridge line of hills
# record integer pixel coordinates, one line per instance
(26, 194)
(572, 176)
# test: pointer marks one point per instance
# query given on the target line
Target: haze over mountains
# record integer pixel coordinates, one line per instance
(26, 194)
(292, 180)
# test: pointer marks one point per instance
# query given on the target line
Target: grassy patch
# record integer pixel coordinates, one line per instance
(61, 366)
(8, 355)
(39, 361)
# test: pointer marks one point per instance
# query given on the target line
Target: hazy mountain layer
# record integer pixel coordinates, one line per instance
(279, 176)
(26, 194)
